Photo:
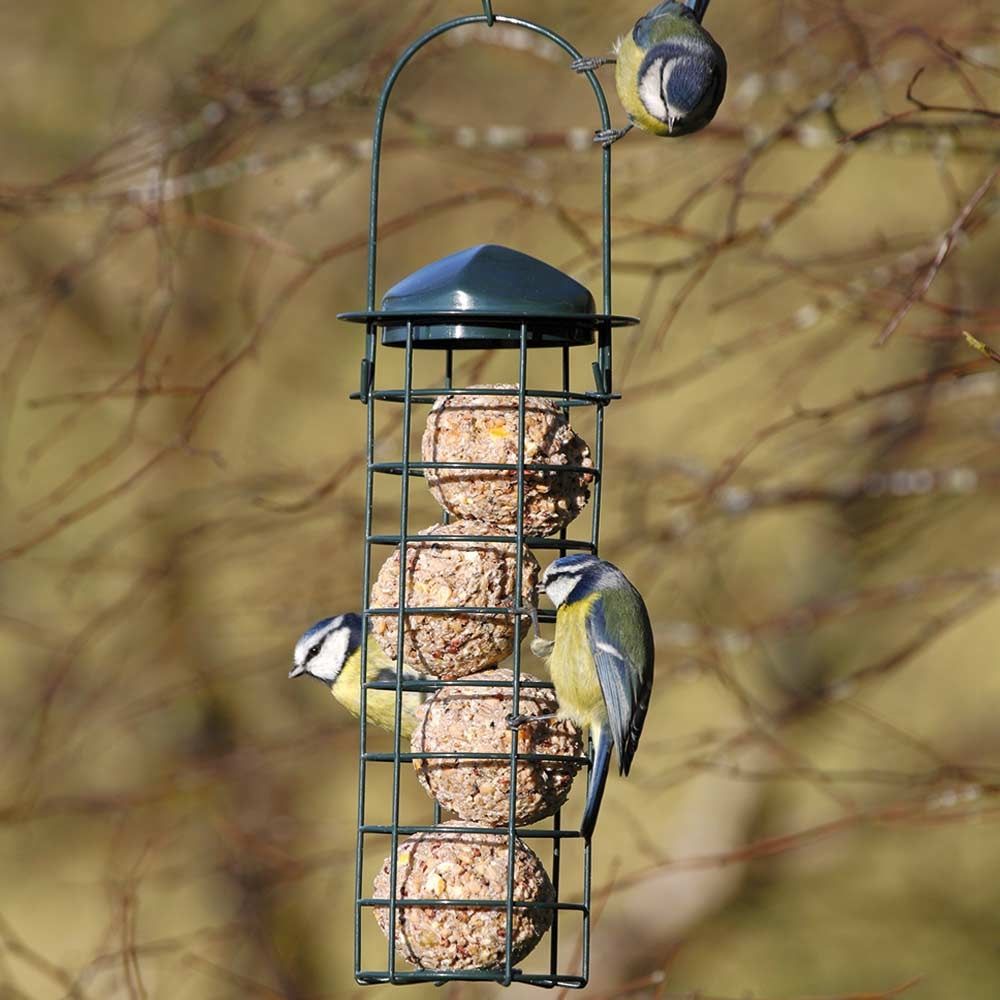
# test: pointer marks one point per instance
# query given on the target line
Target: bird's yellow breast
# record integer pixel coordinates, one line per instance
(572, 666)
(381, 704)
(627, 68)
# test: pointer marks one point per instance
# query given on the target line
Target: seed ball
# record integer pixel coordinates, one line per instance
(453, 574)
(474, 719)
(449, 865)
(484, 428)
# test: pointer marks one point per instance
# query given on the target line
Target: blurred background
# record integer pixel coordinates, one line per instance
(801, 478)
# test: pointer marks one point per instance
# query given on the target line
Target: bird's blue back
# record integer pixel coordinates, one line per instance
(652, 27)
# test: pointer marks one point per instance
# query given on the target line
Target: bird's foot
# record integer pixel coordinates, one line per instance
(542, 648)
(516, 721)
(587, 63)
(607, 136)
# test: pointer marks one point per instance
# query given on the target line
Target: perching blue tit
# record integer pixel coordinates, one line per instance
(330, 651)
(601, 662)
(670, 72)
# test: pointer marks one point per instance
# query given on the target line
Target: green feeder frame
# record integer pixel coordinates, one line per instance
(486, 297)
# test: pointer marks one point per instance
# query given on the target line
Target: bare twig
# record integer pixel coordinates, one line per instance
(920, 287)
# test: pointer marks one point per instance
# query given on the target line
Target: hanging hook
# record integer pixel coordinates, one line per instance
(488, 11)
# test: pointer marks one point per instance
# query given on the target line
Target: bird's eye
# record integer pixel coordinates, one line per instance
(313, 651)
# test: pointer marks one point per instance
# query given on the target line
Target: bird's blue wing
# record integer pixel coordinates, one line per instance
(598, 779)
(621, 640)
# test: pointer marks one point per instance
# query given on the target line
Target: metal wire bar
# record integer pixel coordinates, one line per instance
(368, 375)
(433, 684)
(566, 399)
(472, 975)
(445, 610)
(396, 467)
(404, 527)
(524, 833)
(531, 541)
(449, 378)
(476, 755)
(436, 902)
(522, 382)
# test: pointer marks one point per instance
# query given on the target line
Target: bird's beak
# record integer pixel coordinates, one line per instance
(297, 671)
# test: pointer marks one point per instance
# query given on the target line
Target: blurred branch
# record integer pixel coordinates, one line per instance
(15, 946)
(921, 108)
(935, 810)
(920, 287)
(658, 980)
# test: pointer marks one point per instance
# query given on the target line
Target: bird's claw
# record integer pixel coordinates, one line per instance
(607, 136)
(516, 721)
(587, 63)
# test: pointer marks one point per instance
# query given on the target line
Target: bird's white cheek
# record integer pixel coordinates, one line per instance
(328, 664)
(560, 588)
(652, 86)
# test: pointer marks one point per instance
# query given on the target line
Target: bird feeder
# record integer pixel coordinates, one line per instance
(482, 298)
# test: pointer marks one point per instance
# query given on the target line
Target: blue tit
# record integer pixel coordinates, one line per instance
(601, 662)
(670, 73)
(330, 651)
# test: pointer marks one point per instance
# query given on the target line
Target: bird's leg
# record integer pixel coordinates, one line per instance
(516, 721)
(586, 63)
(606, 136)
(539, 646)
(536, 629)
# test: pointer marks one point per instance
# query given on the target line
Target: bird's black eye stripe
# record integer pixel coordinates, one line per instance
(313, 651)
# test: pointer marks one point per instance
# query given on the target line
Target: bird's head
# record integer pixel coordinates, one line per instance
(690, 90)
(571, 577)
(326, 647)
(682, 81)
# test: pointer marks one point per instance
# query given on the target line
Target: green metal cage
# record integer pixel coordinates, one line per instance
(485, 298)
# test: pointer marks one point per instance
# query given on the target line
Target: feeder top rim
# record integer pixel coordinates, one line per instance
(452, 317)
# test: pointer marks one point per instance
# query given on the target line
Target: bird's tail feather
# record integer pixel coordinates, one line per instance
(698, 6)
(598, 779)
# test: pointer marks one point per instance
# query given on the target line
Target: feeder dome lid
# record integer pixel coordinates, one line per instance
(479, 298)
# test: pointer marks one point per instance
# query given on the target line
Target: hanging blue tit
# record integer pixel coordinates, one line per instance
(330, 651)
(601, 662)
(670, 73)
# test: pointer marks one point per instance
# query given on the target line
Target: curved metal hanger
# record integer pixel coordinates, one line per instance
(488, 18)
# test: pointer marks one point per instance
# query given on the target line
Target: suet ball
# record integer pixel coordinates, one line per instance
(448, 865)
(452, 574)
(474, 719)
(485, 428)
